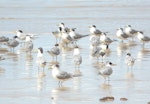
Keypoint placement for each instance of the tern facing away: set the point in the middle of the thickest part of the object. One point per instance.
(28, 44)
(77, 58)
(129, 60)
(41, 62)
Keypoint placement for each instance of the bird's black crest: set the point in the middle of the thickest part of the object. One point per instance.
(129, 54)
(57, 65)
(56, 44)
(94, 26)
(20, 31)
(41, 49)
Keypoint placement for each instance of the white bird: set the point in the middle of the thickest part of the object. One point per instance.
(129, 60)
(97, 52)
(129, 31)
(61, 76)
(40, 59)
(62, 27)
(142, 38)
(28, 44)
(107, 71)
(105, 39)
(12, 43)
(94, 30)
(77, 58)
(75, 36)
(94, 40)
(121, 35)
(21, 35)
(65, 39)
(54, 51)
(3, 39)
(58, 33)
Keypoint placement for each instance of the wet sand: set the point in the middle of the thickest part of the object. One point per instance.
(19, 82)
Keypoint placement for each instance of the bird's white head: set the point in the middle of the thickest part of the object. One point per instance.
(55, 66)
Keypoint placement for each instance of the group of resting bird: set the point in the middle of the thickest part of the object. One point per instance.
(68, 38)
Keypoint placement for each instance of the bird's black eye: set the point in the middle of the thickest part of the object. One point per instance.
(57, 65)
(20, 31)
(110, 63)
(94, 26)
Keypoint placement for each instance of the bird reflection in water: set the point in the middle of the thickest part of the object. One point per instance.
(122, 47)
(40, 83)
(57, 94)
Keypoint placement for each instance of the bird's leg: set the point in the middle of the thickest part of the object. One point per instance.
(38, 70)
(128, 69)
(97, 59)
(56, 39)
(56, 58)
(59, 83)
(102, 59)
(13, 50)
(143, 45)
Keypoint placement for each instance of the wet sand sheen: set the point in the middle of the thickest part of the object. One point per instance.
(18, 72)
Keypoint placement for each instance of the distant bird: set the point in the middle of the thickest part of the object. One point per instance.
(105, 39)
(75, 36)
(12, 43)
(65, 39)
(58, 33)
(97, 52)
(21, 35)
(94, 30)
(40, 60)
(130, 32)
(62, 27)
(3, 39)
(28, 44)
(121, 35)
(142, 38)
(77, 58)
(94, 40)
(2, 58)
(129, 60)
(107, 71)
(54, 51)
(61, 76)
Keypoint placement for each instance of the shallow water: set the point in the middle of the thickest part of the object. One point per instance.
(19, 83)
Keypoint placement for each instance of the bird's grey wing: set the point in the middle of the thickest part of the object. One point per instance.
(107, 71)
(97, 32)
(4, 39)
(56, 33)
(29, 45)
(64, 75)
(78, 36)
(55, 50)
(134, 31)
(146, 38)
(108, 40)
(125, 35)
(13, 43)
